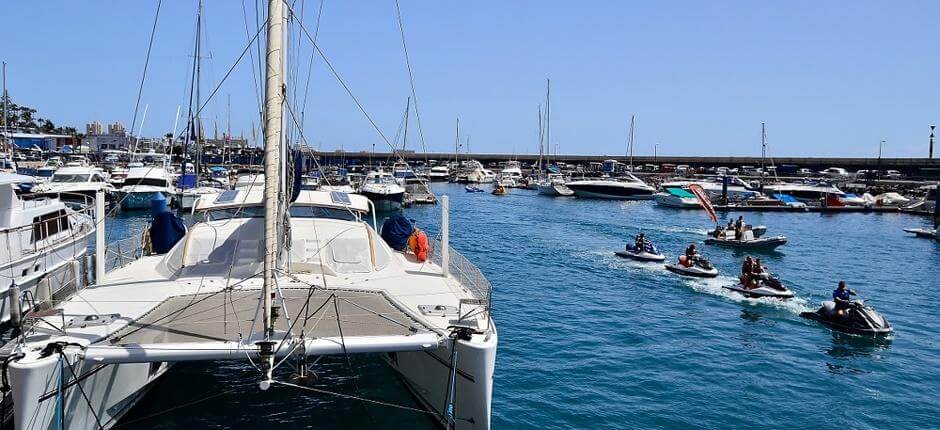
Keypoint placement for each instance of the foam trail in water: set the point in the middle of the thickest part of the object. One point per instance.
(714, 286)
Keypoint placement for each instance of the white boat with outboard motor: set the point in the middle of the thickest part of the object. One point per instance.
(699, 267)
(858, 318)
(627, 188)
(747, 240)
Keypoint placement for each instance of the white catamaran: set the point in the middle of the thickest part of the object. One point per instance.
(261, 279)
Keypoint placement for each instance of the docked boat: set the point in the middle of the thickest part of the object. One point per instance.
(674, 197)
(630, 188)
(439, 174)
(383, 190)
(249, 181)
(284, 282)
(42, 236)
(857, 319)
(736, 189)
(812, 193)
(76, 183)
(511, 175)
(142, 185)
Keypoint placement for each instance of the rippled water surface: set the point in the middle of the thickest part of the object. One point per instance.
(588, 340)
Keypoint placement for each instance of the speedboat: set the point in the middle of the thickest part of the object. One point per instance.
(649, 253)
(699, 268)
(737, 190)
(384, 191)
(630, 188)
(813, 193)
(748, 240)
(929, 233)
(142, 185)
(768, 285)
(674, 197)
(857, 319)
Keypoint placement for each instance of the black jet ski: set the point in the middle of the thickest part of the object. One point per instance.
(701, 268)
(857, 319)
(768, 285)
(649, 253)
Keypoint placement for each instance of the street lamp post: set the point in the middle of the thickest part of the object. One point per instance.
(931, 140)
(655, 150)
(880, 145)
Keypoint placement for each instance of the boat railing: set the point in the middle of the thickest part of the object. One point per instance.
(468, 274)
(120, 253)
(51, 230)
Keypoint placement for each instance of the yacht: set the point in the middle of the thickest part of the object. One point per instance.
(511, 176)
(76, 183)
(629, 188)
(675, 197)
(141, 185)
(737, 190)
(439, 174)
(809, 192)
(48, 169)
(43, 236)
(383, 190)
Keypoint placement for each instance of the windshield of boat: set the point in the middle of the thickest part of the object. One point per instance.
(64, 177)
(155, 182)
(229, 213)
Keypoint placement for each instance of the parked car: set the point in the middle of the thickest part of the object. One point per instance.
(835, 172)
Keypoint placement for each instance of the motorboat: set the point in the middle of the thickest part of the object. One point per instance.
(737, 190)
(748, 240)
(629, 188)
(765, 285)
(553, 185)
(858, 318)
(813, 193)
(928, 233)
(187, 196)
(511, 175)
(383, 190)
(141, 186)
(700, 267)
(76, 183)
(648, 253)
(117, 176)
(758, 230)
(674, 197)
(43, 238)
(439, 174)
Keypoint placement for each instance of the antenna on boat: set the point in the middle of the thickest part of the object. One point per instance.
(763, 148)
(274, 95)
(630, 137)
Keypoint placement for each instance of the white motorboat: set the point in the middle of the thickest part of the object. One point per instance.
(511, 175)
(439, 174)
(76, 183)
(249, 181)
(142, 185)
(811, 193)
(186, 198)
(677, 198)
(737, 190)
(43, 237)
(554, 186)
(267, 282)
(630, 188)
(383, 190)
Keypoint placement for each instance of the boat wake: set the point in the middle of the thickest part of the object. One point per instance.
(714, 286)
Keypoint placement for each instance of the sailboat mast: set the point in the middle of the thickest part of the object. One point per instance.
(548, 123)
(6, 130)
(541, 138)
(632, 123)
(763, 148)
(273, 99)
(198, 124)
(457, 146)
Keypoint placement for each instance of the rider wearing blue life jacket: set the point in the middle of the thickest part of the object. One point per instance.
(843, 297)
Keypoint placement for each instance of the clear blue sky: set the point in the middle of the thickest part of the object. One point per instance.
(829, 78)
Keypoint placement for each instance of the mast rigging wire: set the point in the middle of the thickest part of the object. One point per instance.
(143, 76)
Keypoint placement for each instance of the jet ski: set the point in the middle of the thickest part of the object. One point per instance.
(649, 253)
(701, 268)
(857, 319)
(473, 189)
(768, 286)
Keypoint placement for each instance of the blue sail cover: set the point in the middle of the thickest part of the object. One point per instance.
(395, 232)
(187, 180)
(165, 228)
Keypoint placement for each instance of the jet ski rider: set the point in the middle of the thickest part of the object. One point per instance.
(842, 297)
(691, 255)
(640, 243)
(746, 270)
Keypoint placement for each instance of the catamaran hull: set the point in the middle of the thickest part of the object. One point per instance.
(426, 374)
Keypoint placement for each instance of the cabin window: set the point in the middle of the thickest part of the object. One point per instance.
(49, 224)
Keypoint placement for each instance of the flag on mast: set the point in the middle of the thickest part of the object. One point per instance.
(703, 200)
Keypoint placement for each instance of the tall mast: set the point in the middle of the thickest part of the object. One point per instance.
(273, 99)
(198, 123)
(763, 148)
(548, 123)
(541, 138)
(630, 146)
(457, 146)
(6, 130)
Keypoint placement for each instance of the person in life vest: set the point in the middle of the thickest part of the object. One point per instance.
(419, 245)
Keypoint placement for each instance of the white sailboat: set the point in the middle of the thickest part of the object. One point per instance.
(237, 287)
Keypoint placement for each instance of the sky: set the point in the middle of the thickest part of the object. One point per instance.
(828, 78)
